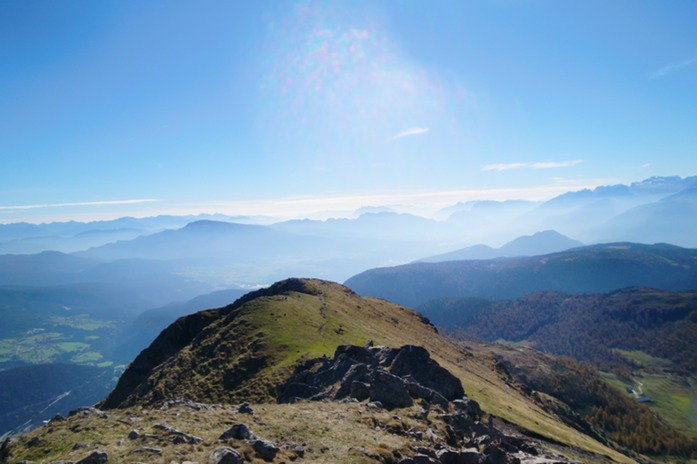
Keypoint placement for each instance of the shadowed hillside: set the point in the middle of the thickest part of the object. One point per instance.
(592, 269)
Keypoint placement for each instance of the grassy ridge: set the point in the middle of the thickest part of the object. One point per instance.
(248, 350)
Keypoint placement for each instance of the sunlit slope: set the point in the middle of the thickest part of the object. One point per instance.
(241, 352)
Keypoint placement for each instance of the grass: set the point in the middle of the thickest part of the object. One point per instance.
(80, 322)
(341, 433)
(645, 359)
(88, 357)
(47, 347)
(276, 331)
(674, 397)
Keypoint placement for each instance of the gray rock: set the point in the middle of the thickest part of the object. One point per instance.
(495, 455)
(225, 456)
(154, 451)
(360, 390)
(57, 418)
(417, 390)
(416, 362)
(296, 448)
(178, 437)
(134, 434)
(238, 432)
(265, 449)
(245, 408)
(420, 459)
(97, 457)
(468, 406)
(292, 392)
(468, 456)
(88, 411)
(390, 390)
(356, 373)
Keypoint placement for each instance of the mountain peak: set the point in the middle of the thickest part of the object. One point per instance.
(239, 352)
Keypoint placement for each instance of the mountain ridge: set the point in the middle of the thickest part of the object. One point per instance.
(543, 242)
(589, 269)
(250, 348)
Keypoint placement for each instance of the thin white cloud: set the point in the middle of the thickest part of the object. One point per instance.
(553, 164)
(504, 166)
(81, 203)
(410, 132)
(671, 68)
(539, 165)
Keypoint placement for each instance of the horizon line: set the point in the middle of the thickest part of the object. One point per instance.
(420, 203)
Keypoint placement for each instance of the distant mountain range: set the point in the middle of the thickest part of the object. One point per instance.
(643, 212)
(590, 269)
(539, 243)
(604, 214)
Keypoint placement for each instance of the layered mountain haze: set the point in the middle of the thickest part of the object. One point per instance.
(97, 307)
(539, 243)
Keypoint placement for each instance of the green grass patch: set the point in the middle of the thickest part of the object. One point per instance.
(672, 397)
(90, 357)
(47, 347)
(645, 359)
(81, 322)
(72, 347)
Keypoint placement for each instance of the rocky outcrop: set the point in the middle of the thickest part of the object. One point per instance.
(395, 377)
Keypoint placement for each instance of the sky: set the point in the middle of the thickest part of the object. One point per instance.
(288, 108)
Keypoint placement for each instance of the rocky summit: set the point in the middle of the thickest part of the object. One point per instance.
(308, 371)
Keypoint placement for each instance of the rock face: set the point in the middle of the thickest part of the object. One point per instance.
(393, 376)
(396, 378)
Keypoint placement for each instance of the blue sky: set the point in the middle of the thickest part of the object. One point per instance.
(128, 107)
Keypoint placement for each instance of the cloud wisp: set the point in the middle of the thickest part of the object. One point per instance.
(410, 133)
(671, 68)
(81, 203)
(539, 165)
(504, 166)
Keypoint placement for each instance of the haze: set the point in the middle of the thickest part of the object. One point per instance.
(296, 109)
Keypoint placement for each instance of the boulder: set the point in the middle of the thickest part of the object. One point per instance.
(225, 456)
(265, 449)
(177, 437)
(97, 457)
(468, 406)
(245, 408)
(420, 459)
(238, 432)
